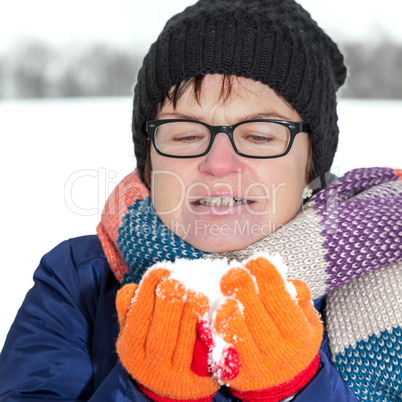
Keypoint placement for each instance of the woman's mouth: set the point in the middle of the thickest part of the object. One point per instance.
(222, 201)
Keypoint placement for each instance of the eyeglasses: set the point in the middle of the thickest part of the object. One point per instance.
(180, 138)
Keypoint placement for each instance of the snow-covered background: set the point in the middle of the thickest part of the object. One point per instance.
(60, 159)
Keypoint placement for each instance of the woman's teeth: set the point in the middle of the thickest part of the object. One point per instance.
(222, 201)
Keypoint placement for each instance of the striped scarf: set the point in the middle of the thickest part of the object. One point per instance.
(346, 244)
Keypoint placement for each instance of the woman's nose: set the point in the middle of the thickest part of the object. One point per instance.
(221, 159)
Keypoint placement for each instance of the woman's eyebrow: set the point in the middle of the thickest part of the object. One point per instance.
(269, 115)
(254, 116)
(178, 116)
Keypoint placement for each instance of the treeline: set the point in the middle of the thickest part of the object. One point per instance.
(37, 70)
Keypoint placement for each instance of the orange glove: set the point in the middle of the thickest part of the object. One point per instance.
(276, 336)
(158, 322)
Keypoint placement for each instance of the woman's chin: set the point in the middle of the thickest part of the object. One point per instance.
(221, 243)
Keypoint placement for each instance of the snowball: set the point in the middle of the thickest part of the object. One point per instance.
(204, 275)
(200, 275)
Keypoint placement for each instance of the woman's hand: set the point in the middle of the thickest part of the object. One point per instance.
(276, 334)
(158, 321)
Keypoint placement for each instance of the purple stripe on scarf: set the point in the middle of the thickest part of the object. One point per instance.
(361, 223)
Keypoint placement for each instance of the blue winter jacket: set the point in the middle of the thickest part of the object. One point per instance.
(61, 346)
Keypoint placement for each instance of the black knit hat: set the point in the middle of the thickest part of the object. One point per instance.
(275, 42)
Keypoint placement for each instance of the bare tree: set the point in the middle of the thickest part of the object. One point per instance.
(374, 71)
(99, 70)
(29, 73)
(2, 77)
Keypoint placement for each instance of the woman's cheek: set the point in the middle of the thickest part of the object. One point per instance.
(167, 193)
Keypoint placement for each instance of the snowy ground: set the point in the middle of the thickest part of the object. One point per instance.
(60, 159)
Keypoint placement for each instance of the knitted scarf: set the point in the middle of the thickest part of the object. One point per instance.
(346, 244)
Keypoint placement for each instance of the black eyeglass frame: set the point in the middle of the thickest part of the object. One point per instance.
(293, 127)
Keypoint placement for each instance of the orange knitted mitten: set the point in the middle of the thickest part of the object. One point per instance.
(273, 326)
(158, 322)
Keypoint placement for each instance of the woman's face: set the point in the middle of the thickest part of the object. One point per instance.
(270, 189)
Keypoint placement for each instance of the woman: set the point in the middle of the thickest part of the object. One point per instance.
(234, 124)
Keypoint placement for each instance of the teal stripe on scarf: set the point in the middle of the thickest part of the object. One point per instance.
(144, 240)
(372, 368)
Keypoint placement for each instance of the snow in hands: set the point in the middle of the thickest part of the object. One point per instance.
(212, 355)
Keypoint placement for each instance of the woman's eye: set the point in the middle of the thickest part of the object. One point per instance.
(188, 138)
(260, 138)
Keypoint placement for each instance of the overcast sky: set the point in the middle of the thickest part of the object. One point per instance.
(138, 22)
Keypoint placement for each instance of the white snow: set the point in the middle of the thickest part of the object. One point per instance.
(204, 275)
(200, 275)
(60, 159)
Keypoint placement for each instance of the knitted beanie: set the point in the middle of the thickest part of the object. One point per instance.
(275, 42)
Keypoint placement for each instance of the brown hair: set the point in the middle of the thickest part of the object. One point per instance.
(195, 84)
